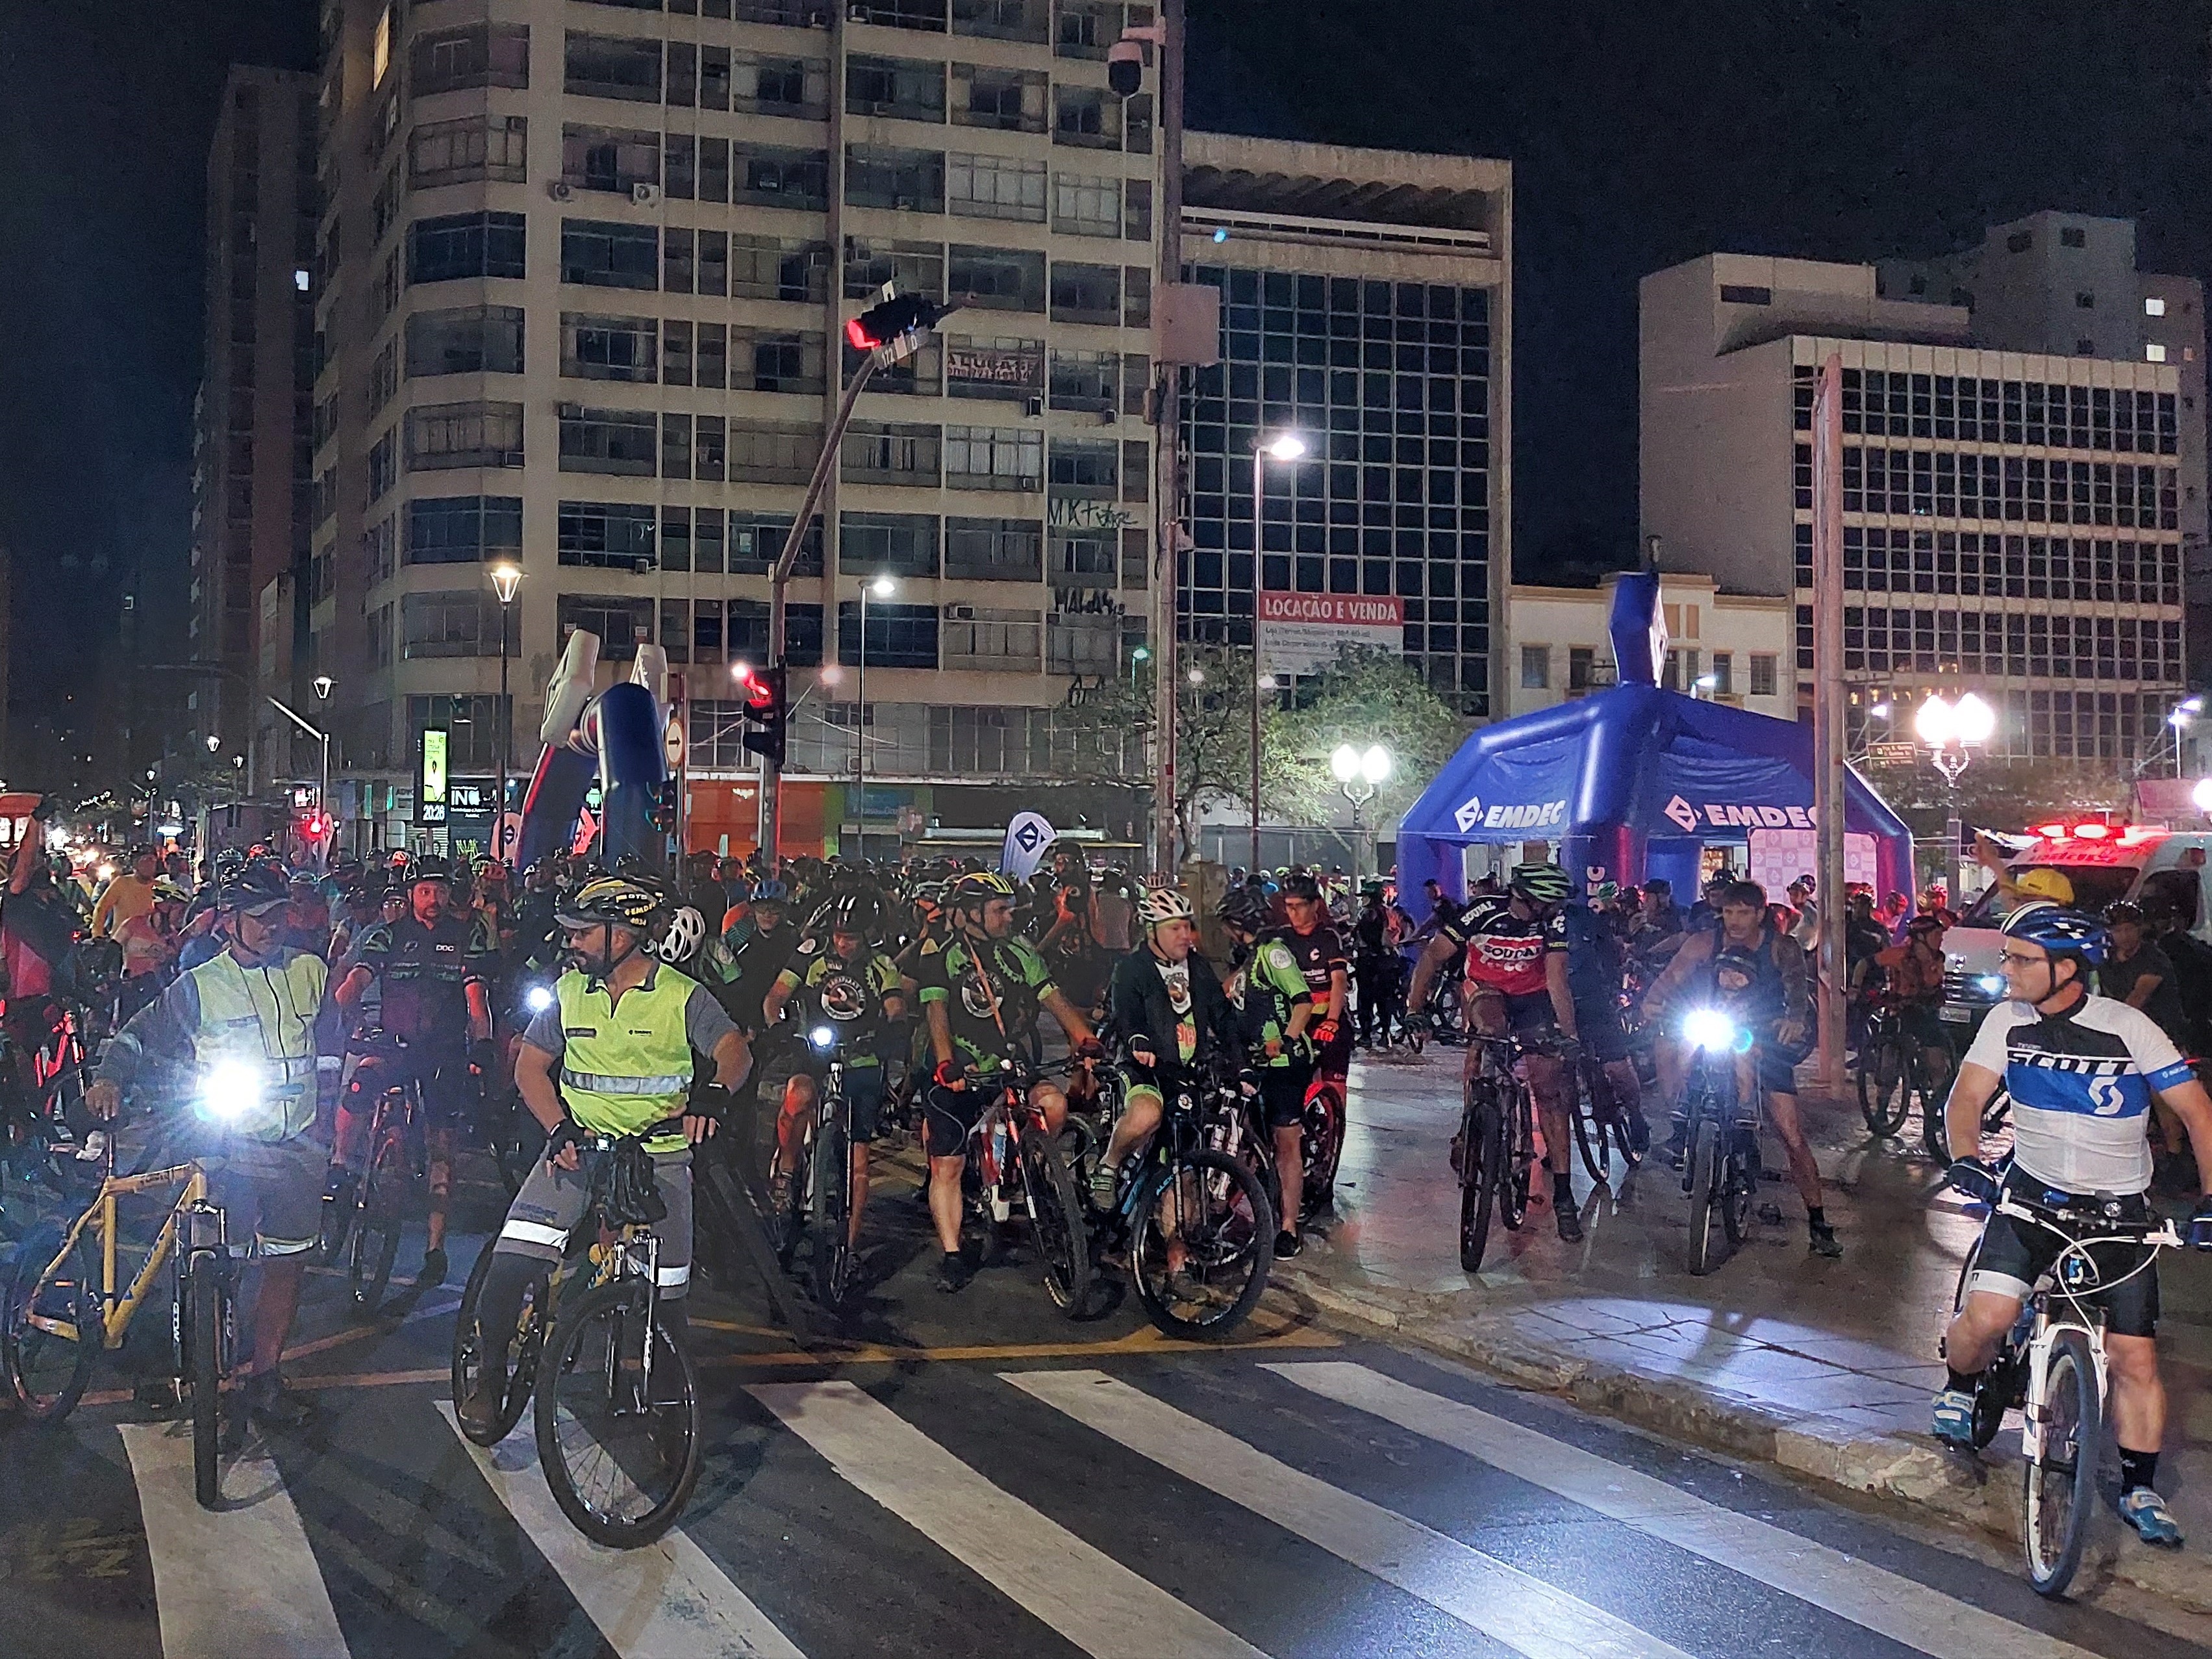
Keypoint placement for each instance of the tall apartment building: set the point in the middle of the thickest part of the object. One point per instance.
(2015, 502)
(583, 276)
(252, 417)
(1367, 307)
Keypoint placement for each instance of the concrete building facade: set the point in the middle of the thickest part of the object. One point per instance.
(1730, 647)
(2015, 517)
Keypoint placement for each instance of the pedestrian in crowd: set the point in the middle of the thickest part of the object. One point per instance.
(2139, 973)
(129, 895)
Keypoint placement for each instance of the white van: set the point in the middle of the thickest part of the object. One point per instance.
(2106, 863)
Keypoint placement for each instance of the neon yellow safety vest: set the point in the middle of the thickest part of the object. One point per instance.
(626, 1065)
(265, 1018)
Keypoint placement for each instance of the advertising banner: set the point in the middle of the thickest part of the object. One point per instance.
(430, 800)
(1300, 633)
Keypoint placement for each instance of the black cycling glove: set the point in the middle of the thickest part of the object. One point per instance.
(1975, 1178)
(2200, 1225)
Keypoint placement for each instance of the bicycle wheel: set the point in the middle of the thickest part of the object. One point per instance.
(788, 1220)
(620, 1451)
(1704, 1176)
(1739, 1183)
(204, 1367)
(1481, 1160)
(1519, 1153)
(1322, 1145)
(375, 1243)
(1934, 1133)
(53, 1330)
(1590, 1140)
(833, 1208)
(1056, 1218)
(2061, 1488)
(1885, 1089)
(1215, 1207)
(524, 1346)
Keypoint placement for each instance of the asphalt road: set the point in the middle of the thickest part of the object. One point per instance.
(977, 1475)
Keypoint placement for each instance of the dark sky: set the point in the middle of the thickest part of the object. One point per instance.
(1642, 134)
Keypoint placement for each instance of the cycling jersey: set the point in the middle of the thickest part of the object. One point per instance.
(1320, 956)
(1503, 952)
(423, 972)
(1267, 990)
(991, 991)
(2081, 1084)
(847, 996)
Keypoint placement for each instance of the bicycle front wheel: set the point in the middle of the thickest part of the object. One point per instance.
(204, 1296)
(833, 1213)
(1481, 1161)
(618, 1436)
(1056, 1218)
(1705, 1187)
(1591, 1140)
(2061, 1488)
(375, 1242)
(1203, 1243)
(53, 1331)
(1885, 1084)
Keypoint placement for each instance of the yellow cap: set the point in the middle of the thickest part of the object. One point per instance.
(2047, 884)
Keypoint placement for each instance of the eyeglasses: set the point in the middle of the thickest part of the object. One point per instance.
(2014, 959)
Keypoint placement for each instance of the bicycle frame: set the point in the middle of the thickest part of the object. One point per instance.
(119, 1306)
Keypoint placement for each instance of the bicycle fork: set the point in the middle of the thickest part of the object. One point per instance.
(2035, 1410)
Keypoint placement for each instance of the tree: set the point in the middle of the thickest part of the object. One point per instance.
(1364, 697)
(1997, 796)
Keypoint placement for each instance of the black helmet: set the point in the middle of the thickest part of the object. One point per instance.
(431, 867)
(256, 888)
(618, 900)
(1301, 886)
(855, 913)
(1246, 910)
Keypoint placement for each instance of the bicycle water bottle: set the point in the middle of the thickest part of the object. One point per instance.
(1001, 1206)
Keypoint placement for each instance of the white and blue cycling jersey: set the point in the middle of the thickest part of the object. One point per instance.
(2080, 1083)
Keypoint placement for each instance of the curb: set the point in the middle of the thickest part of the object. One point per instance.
(1911, 1473)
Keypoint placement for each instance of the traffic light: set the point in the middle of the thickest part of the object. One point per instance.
(767, 704)
(892, 319)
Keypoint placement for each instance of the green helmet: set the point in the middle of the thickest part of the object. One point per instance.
(1540, 884)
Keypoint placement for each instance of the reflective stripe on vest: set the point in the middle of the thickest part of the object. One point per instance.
(265, 1018)
(625, 1065)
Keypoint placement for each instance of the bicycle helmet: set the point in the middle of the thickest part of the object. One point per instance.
(431, 867)
(1164, 905)
(1246, 910)
(1301, 886)
(771, 891)
(2060, 932)
(978, 888)
(1540, 884)
(254, 889)
(687, 931)
(855, 913)
(615, 900)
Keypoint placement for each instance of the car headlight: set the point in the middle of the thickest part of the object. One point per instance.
(1711, 1030)
(538, 999)
(822, 1037)
(1991, 985)
(231, 1089)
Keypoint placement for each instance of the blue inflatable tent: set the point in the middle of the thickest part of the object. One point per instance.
(1632, 782)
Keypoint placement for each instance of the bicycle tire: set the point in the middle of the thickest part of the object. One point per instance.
(610, 1313)
(1481, 1157)
(832, 1166)
(54, 1289)
(375, 1244)
(1056, 1222)
(1589, 1128)
(204, 1371)
(1323, 1147)
(1884, 1105)
(2059, 1496)
(1934, 1133)
(1242, 1234)
(1704, 1171)
(1518, 1157)
(522, 1372)
(1739, 1183)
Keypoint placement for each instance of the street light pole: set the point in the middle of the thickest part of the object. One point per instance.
(505, 580)
(1950, 730)
(1285, 446)
(883, 587)
(324, 684)
(319, 736)
(1352, 768)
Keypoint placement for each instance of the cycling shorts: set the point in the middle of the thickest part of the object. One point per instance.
(864, 1094)
(1283, 1093)
(1529, 1016)
(1597, 1023)
(274, 1190)
(2014, 1254)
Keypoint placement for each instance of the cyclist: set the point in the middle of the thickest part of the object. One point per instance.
(760, 953)
(1318, 949)
(2081, 1071)
(1913, 976)
(844, 983)
(431, 967)
(1597, 970)
(1274, 1006)
(1375, 965)
(1783, 1005)
(980, 995)
(621, 1033)
(256, 1001)
(1516, 985)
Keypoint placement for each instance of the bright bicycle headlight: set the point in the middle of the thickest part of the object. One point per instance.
(1991, 985)
(822, 1037)
(538, 999)
(1711, 1030)
(231, 1089)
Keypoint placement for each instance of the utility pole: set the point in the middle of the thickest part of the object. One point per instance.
(1167, 421)
(1828, 796)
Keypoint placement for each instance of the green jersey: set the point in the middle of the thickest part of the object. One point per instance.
(1267, 990)
(846, 996)
(990, 992)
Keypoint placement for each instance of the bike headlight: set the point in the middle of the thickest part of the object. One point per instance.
(538, 999)
(231, 1089)
(1709, 1028)
(822, 1037)
(1991, 985)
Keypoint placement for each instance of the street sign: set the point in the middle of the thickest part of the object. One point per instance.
(1892, 754)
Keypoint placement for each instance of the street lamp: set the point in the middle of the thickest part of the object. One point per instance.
(1707, 684)
(320, 735)
(883, 587)
(1953, 730)
(2185, 712)
(506, 578)
(1360, 774)
(1287, 448)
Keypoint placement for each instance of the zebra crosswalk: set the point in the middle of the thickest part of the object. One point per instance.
(1297, 1509)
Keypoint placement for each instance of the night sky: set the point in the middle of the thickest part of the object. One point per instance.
(1641, 134)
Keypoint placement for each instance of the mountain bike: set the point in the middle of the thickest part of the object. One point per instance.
(1013, 1158)
(365, 1233)
(1600, 1128)
(1321, 1139)
(1494, 1154)
(1889, 1073)
(2051, 1365)
(1720, 1173)
(821, 1188)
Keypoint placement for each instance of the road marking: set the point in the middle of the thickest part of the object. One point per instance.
(1870, 1596)
(240, 1579)
(1089, 1597)
(1144, 1340)
(666, 1600)
(1504, 1603)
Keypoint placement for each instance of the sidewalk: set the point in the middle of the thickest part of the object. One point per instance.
(1826, 1368)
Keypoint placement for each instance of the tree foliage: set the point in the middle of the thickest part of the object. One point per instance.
(1999, 797)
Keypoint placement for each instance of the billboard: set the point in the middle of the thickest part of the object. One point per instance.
(1300, 633)
(431, 804)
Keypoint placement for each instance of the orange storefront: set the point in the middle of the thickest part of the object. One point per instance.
(723, 817)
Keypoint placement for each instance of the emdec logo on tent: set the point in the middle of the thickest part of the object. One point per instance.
(1540, 815)
(1721, 815)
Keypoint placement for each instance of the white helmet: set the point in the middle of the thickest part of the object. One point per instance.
(1165, 904)
(687, 931)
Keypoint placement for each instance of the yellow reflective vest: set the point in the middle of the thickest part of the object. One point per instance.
(265, 1018)
(626, 1065)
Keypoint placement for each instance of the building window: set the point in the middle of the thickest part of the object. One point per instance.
(903, 544)
(1083, 470)
(977, 637)
(994, 278)
(924, 15)
(2154, 353)
(623, 441)
(461, 245)
(469, 340)
(611, 66)
(1085, 294)
(994, 458)
(481, 55)
(1008, 99)
(441, 435)
(877, 175)
(902, 87)
(456, 623)
(1536, 668)
(995, 187)
(766, 175)
(899, 635)
(462, 529)
(604, 255)
(1089, 117)
(619, 622)
(756, 542)
(1004, 20)
(610, 535)
(769, 268)
(610, 348)
(1086, 379)
(478, 147)
(2153, 306)
(1581, 660)
(877, 452)
(383, 466)
(1744, 294)
(609, 158)
(1085, 206)
(915, 267)
(1724, 673)
(1762, 674)
(772, 452)
(763, 85)
(992, 549)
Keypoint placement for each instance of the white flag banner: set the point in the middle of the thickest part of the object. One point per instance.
(1027, 838)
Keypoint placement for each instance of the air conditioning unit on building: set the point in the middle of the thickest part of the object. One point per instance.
(960, 613)
(517, 123)
(560, 189)
(643, 194)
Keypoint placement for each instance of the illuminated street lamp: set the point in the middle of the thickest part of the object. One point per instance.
(1952, 732)
(505, 577)
(2184, 715)
(1360, 774)
(2202, 795)
(1286, 447)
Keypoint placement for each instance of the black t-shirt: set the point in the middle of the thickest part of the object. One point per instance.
(2116, 980)
(1318, 954)
(423, 973)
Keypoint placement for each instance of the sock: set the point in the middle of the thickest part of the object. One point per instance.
(1816, 1216)
(2137, 1469)
(1963, 1382)
(1563, 1190)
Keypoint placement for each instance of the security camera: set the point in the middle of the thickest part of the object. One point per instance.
(1124, 67)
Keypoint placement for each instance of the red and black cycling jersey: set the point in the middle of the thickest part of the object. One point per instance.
(1319, 954)
(1503, 952)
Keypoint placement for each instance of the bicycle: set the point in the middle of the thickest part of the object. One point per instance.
(366, 1233)
(1889, 1071)
(1012, 1157)
(821, 1188)
(1321, 1139)
(1198, 1224)
(2051, 1365)
(1720, 1170)
(1599, 1129)
(621, 1450)
(67, 1303)
(1494, 1154)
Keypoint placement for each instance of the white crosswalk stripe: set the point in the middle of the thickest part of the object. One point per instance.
(240, 1579)
(666, 1600)
(1090, 1598)
(1502, 1603)
(1870, 1596)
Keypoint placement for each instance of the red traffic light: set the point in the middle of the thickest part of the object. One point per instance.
(880, 324)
